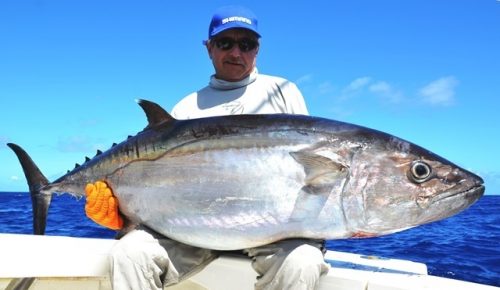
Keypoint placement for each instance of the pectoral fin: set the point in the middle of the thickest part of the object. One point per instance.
(326, 174)
(321, 168)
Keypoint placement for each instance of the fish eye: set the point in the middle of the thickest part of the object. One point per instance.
(420, 171)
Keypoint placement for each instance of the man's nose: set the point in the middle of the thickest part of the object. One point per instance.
(235, 51)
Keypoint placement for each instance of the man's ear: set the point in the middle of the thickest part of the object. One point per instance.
(209, 49)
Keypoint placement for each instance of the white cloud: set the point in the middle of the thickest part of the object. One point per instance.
(358, 84)
(304, 79)
(354, 87)
(364, 85)
(386, 91)
(440, 91)
(325, 88)
(380, 87)
(14, 178)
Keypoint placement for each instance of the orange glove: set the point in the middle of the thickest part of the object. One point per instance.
(102, 206)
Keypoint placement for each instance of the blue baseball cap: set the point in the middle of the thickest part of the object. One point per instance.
(229, 17)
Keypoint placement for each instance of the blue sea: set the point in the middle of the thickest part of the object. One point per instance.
(465, 246)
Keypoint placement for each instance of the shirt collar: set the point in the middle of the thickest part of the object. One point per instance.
(219, 84)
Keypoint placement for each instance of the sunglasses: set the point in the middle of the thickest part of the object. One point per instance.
(244, 44)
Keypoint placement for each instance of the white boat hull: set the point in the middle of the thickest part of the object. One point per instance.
(82, 263)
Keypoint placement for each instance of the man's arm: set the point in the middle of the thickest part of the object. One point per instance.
(291, 96)
(295, 102)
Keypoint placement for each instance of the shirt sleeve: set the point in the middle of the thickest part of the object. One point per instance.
(294, 101)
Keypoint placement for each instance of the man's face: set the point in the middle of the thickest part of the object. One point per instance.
(231, 62)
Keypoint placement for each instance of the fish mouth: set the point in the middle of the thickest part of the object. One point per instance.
(447, 204)
(472, 193)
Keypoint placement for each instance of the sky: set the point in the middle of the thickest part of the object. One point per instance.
(424, 70)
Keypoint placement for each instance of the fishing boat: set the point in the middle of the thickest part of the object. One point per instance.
(56, 262)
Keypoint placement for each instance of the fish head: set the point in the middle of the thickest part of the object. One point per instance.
(398, 185)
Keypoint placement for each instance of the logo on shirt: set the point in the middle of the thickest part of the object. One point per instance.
(234, 108)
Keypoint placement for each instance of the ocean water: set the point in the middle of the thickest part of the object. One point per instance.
(464, 247)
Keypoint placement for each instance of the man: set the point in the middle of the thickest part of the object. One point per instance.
(144, 259)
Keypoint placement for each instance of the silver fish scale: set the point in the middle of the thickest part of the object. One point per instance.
(202, 195)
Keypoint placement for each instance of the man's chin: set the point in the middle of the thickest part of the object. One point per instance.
(234, 75)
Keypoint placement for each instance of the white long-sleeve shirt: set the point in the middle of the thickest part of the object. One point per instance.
(256, 94)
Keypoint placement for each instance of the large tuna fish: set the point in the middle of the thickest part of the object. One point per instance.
(241, 181)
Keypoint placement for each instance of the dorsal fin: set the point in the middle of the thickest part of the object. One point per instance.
(155, 113)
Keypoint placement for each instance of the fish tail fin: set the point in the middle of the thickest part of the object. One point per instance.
(36, 181)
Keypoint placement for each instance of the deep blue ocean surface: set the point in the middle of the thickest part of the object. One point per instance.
(464, 247)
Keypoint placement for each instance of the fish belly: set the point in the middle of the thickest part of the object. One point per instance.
(221, 199)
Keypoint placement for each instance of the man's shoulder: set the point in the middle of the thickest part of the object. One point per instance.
(179, 109)
(276, 80)
(192, 104)
(194, 95)
(272, 78)
(186, 99)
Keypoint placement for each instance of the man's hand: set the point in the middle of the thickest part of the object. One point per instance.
(102, 206)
